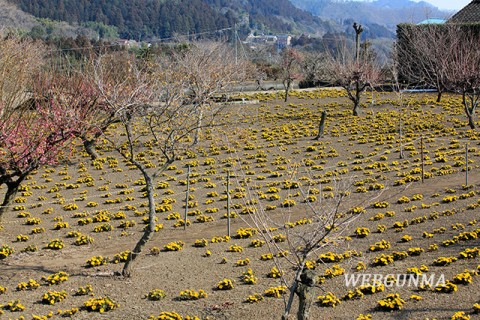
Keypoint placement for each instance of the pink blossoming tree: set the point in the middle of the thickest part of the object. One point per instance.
(35, 124)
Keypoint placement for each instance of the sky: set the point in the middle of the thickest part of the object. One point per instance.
(449, 4)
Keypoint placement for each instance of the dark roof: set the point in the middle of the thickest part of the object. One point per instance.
(469, 14)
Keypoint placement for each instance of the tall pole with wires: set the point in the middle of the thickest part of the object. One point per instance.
(235, 36)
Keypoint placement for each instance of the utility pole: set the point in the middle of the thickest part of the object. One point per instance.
(235, 36)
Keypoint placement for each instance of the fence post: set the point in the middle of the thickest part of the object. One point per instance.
(466, 165)
(401, 140)
(228, 204)
(422, 158)
(187, 195)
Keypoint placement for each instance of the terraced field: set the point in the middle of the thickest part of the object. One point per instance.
(70, 227)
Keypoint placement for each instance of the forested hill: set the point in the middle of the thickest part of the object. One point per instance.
(273, 15)
(133, 18)
(150, 19)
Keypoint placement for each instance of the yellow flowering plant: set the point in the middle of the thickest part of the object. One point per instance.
(100, 304)
(56, 278)
(393, 301)
(225, 284)
(51, 297)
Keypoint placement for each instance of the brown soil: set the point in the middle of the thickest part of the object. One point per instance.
(292, 127)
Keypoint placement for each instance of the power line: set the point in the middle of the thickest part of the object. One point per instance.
(160, 40)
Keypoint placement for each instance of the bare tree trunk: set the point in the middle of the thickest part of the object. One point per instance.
(439, 95)
(199, 127)
(286, 315)
(355, 94)
(469, 111)
(287, 90)
(89, 146)
(356, 104)
(293, 289)
(305, 293)
(259, 85)
(149, 230)
(358, 95)
(305, 281)
(471, 120)
(321, 126)
(12, 189)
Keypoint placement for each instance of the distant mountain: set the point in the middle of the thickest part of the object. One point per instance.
(154, 19)
(133, 19)
(12, 17)
(159, 19)
(400, 4)
(272, 16)
(385, 13)
(15, 20)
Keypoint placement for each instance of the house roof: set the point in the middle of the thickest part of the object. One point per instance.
(469, 14)
(433, 21)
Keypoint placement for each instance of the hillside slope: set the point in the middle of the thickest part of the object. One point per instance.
(12, 17)
(273, 15)
(153, 19)
(387, 13)
(159, 19)
(134, 18)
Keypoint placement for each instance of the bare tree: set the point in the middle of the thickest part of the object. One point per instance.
(443, 57)
(358, 33)
(20, 61)
(290, 62)
(209, 68)
(313, 68)
(154, 109)
(128, 89)
(462, 69)
(352, 73)
(306, 230)
(422, 55)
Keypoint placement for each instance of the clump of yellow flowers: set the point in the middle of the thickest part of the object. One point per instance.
(56, 244)
(174, 246)
(30, 285)
(225, 284)
(391, 302)
(165, 315)
(56, 278)
(156, 295)
(51, 297)
(96, 261)
(276, 292)
(192, 294)
(13, 306)
(254, 298)
(121, 257)
(101, 304)
(83, 291)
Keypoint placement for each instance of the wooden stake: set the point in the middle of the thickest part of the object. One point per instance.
(228, 204)
(423, 160)
(466, 165)
(187, 195)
